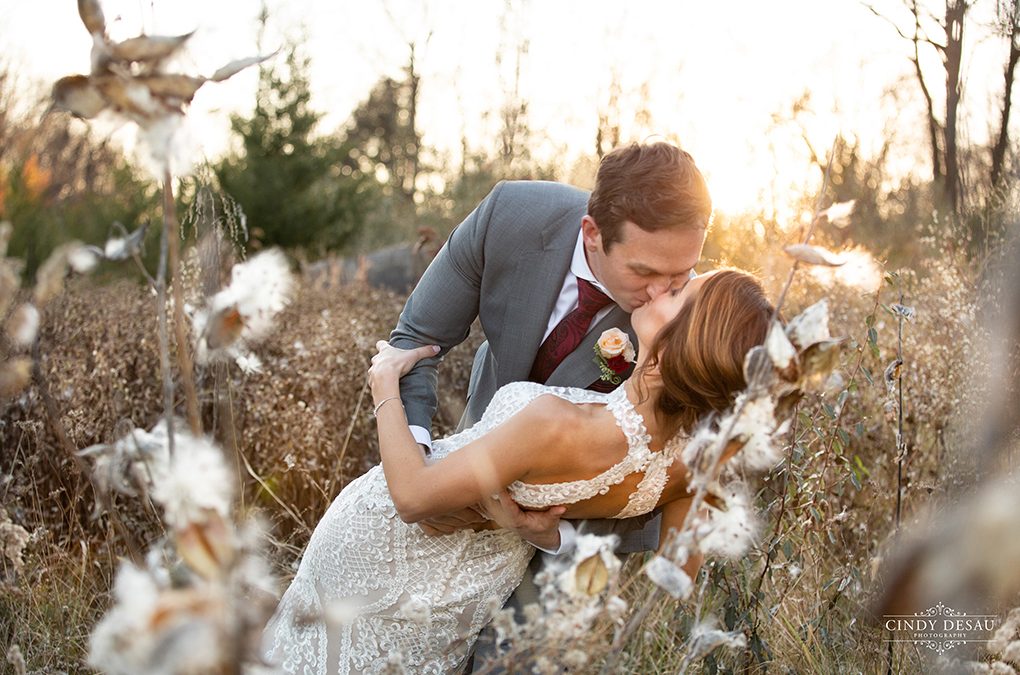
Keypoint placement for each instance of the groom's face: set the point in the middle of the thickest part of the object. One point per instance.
(641, 266)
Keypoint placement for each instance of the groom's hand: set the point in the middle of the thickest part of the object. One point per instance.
(539, 528)
(469, 518)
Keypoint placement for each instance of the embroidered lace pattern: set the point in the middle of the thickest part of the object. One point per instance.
(639, 457)
(373, 593)
(649, 490)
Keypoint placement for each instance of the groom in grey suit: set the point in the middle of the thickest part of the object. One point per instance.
(519, 262)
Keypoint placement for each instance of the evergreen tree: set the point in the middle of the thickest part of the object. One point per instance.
(293, 187)
(383, 135)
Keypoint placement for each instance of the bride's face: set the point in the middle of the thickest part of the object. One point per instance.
(648, 319)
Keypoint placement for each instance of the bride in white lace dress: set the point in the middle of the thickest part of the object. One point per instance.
(372, 586)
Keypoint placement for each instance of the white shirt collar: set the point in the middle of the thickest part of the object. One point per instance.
(580, 268)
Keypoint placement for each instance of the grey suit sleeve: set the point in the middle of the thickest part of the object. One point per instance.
(442, 307)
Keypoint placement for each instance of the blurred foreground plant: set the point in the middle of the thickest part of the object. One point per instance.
(129, 79)
(200, 599)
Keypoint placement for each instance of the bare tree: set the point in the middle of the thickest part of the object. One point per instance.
(944, 34)
(515, 132)
(607, 135)
(1008, 14)
(415, 35)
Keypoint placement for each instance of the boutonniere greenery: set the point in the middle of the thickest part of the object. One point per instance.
(614, 354)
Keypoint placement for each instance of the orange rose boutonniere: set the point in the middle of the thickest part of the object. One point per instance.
(614, 354)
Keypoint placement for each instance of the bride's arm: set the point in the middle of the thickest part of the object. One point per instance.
(465, 477)
(673, 515)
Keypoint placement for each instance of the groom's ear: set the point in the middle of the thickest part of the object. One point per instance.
(591, 234)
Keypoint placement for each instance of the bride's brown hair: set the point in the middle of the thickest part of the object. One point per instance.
(700, 353)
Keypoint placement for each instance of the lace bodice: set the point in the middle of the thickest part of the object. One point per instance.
(639, 458)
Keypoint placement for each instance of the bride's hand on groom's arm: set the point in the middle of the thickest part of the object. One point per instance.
(391, 363)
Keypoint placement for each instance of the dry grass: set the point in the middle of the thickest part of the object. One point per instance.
(101, 360)
(803, 612)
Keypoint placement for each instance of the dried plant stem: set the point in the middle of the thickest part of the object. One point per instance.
(339, 473)
(621, 638)
(269, 490)
(714, 455)
(172, 226)
(811, 228)
(901, 446)
(853, 378)
(777, 535)
(224, 424)
(900, 451)
(141, 267)
(57, 427)
(164, 342)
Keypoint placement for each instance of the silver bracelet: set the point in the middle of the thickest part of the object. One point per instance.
(375, 413)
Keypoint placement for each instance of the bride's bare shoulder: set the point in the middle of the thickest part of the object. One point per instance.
(565, 421)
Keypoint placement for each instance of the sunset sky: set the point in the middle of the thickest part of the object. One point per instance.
(715, 74)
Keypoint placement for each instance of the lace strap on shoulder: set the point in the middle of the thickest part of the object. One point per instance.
(649, 490)
(632, 425)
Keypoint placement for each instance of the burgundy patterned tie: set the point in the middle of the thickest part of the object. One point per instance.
(569, 332)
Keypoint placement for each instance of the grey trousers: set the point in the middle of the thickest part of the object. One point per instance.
(636, 535)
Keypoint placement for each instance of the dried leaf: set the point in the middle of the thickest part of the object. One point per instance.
(224, 328)
(810, 326)
(758, 370)
(892, 374)
(817, 362)
(670, 577)
(129, 96)
(780, 350)
(6, 230)
(907, 313)
(813, 255)
(15, 375)
(182, 88)
(49, 278)
(734, 446)
(207, 546)
(591, 575)
(148, 47)
(839, 213)
(78, 95)
(234, 67)
(787, 401)
(91, 13)
(184, 603)
(10, 281)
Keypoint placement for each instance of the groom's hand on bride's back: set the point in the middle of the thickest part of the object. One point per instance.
(539, 528)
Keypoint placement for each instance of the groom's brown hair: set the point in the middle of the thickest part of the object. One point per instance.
(655, 186)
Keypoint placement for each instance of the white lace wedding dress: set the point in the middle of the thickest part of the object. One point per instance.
(373, 592)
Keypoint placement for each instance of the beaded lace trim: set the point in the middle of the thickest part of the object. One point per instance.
(638, 458)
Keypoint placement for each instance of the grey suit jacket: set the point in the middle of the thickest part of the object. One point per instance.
(505, 264)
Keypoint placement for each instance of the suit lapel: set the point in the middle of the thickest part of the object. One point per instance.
(537, 280)
(579, 368)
